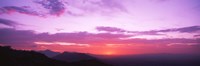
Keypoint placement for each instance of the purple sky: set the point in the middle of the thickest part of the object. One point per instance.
(100, 23)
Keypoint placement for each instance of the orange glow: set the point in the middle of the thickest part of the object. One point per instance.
(109, 53)
(119, 49)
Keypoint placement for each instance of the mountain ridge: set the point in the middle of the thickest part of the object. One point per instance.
(49, 53)
(12, 57)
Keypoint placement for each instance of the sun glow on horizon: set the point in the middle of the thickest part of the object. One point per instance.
(109, 53)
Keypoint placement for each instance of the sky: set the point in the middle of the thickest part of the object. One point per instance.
(108, 27)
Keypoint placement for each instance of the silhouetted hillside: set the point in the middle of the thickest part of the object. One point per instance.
(11, 57)
(154, 60)
(73, 57)
(80, 59)
(49, 53)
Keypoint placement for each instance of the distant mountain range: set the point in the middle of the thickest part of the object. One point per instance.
(11, 57)
(49, 53)
(73, 57)
(79, 59)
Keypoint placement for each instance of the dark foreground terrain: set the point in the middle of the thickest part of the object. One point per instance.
(162, 59)
(11, 57)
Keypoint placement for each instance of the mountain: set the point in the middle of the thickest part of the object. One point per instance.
(73, 56)
(11, 57)
(49, 53)
(80, 59)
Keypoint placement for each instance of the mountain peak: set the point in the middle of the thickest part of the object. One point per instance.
(49, 53)
(73, 56)
(12, 57)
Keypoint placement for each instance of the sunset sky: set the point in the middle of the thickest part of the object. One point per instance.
(117, 27)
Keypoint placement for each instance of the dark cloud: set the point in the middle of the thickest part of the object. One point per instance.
(190, 29)
(114, 29)
(2, 11)
(26, 37)
(16, 37)
(162, 41)
(109, 29)
(10, 9)
(182, 30)
(12, 36)
(152, 32)
(80, 37)
(197, 35)
(54, 6)
(8, 22)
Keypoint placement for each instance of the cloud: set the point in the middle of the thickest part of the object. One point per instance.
(112, 4)
(161, 41)
(8, 22)
(55, 7)
(18, 38)
(81, 37)
(152, 32)
(197, 35)
(190, 29)
(109, 29)
(12, 36)
(70, 7)
(10, 9)
(104, 7)
(119, 30)
(2, 11)
(190, 44)
(26, 37)
(182, 30)
(110, 36)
